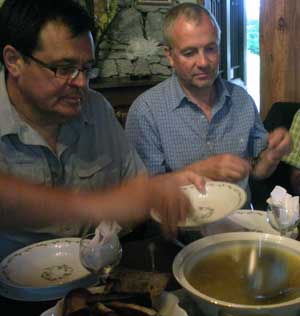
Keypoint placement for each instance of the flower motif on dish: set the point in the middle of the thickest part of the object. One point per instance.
(56, 273)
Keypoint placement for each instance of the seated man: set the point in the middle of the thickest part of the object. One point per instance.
(56, 132)
(293, 159)
(197, 120)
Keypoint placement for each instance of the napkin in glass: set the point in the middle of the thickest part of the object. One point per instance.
(104, 247)
(285, 206)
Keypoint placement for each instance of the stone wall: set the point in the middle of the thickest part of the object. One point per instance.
(134, 23)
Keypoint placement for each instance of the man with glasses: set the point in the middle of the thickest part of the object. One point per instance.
(60, 143)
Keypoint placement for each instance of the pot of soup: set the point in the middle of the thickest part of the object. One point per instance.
(242, 274)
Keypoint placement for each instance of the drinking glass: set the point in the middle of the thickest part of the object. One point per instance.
(282, 219)
(100, 256)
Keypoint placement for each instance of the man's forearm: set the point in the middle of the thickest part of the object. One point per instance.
(262, 166)
(23, 203)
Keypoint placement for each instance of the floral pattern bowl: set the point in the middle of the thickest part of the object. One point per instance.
(43, 271)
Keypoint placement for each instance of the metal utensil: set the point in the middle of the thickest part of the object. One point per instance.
(267, 273)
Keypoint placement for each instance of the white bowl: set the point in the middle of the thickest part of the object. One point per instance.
(189, 255)
(219, 200)
(44, 271)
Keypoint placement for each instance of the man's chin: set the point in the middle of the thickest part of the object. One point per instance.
(203, 84)
(70, 110)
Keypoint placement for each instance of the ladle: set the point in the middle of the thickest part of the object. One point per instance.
(266, 274)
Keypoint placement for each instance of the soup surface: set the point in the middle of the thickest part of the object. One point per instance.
(223, 274)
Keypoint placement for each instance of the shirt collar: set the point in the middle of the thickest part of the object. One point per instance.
(222, 92)
(178, 93)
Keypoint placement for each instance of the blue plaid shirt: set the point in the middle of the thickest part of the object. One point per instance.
(170, 132)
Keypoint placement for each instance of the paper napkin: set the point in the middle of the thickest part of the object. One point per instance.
(286, 206)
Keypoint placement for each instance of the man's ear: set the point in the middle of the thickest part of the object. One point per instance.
(13, 60)
(168, 55)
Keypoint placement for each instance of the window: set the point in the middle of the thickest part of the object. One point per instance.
(253, 57)
(230, 15)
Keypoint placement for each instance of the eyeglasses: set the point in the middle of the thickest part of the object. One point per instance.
(67, 72)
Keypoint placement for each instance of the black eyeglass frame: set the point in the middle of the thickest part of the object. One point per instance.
(71, 72)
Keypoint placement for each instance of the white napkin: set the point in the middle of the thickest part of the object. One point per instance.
(105, 231)
(287, 206)
(105, 245)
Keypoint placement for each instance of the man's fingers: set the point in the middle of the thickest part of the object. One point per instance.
(279, 138)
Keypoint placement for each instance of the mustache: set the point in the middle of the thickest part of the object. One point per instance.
(205, 71)
(74, 93)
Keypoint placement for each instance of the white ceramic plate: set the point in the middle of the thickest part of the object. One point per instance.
(43, 271)
(243, 220)
(166, 304)
(220, 200)
(256, 221)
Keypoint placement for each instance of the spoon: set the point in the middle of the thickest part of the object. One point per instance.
(266, 273)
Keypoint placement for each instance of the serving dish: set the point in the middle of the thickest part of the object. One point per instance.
(191, 254)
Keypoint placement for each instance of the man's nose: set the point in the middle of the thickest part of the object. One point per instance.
(202, 59)
(80, 80)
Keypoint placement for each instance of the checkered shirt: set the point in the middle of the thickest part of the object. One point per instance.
(293, 159)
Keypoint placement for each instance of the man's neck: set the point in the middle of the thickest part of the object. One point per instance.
(204, 98)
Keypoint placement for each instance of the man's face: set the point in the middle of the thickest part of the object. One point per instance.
(40, 90)
(194, 54)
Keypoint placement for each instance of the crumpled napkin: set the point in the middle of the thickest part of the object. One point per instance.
(105, 231)
(285, 206)
(104, 248)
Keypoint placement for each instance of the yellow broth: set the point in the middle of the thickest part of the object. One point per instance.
(222, 274)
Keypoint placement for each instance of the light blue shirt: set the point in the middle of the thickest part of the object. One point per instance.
(92, 152)
(170, 132)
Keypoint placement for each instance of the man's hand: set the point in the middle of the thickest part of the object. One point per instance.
(279, 144)
(222, 167)
(132, 201)
(168, 199)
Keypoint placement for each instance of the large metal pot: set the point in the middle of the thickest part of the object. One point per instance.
(191, 254)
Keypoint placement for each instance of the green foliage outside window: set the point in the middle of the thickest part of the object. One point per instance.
(253, 36)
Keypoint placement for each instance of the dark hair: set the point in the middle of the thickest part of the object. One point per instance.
(192, 12)
(21, 21)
